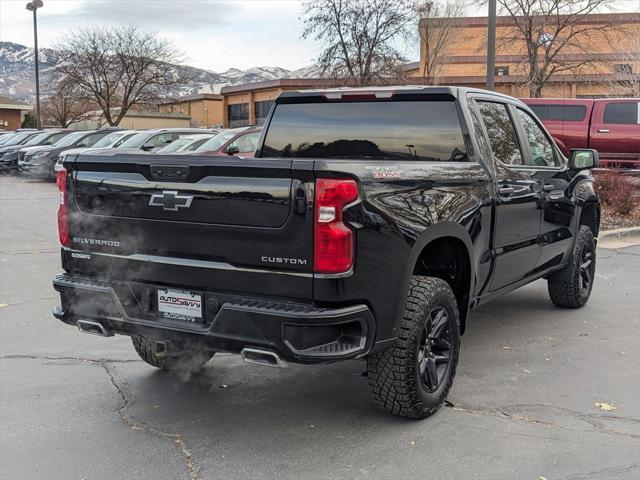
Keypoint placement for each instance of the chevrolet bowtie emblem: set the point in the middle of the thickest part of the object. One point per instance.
(170, 200)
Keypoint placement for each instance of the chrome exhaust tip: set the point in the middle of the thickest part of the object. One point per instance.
(93, 328)
(262, 357)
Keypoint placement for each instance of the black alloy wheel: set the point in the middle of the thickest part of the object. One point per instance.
(586, 270)
(413, 377)
(571, 287)
(434, 351)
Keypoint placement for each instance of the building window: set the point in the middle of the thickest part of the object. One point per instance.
(238, 115)
(262, 111)
(501, 71)
(623, 68)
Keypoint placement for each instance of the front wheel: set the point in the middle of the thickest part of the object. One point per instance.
(412, 378)
(571, 286)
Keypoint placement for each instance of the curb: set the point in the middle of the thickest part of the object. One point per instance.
(622, 237)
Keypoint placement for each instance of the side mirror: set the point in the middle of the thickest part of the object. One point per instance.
(232, 150)
(147, 147)
(583, 159)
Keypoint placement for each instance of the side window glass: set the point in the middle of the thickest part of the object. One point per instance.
(82, 143)
(120, 141)
(540, 111)
(54, 138)
(482, 140)
(542, 152)
(623, 113)
(249, 142)
(162, 140)
(192, 146)
(246, 143)
(91, 139)
(502, 133)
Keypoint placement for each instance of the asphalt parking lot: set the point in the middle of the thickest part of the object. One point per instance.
(522, 407)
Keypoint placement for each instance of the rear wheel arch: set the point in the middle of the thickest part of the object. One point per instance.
(447, 258)
(429, 255)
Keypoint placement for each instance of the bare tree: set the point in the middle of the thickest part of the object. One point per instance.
(624, 81)
(555, 36)
(436, 31)
(359, 37)
(64, 106)
(118, 68)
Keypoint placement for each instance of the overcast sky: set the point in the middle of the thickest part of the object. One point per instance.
(215, 35)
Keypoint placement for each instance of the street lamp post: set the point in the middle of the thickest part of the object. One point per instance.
(33, 6)
(491, 45)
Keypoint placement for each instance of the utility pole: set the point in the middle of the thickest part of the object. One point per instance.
(491, 45)
(33, 7)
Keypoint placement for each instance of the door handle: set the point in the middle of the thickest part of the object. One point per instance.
(505, 191)
(603, 130)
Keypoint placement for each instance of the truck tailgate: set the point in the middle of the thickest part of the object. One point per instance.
(216, 223)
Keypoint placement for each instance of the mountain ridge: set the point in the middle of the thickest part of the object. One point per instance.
(17, 77)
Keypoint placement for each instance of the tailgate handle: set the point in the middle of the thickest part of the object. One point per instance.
(175, 173)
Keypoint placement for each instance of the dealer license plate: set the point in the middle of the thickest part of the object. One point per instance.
(180, 305)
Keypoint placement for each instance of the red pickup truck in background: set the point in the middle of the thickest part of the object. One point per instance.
(611, 126)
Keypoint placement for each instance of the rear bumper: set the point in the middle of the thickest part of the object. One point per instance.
(297, 332)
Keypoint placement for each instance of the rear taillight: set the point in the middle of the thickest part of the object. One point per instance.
(63, 220)
(333, 240)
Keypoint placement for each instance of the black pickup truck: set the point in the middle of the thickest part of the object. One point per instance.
(368, 226)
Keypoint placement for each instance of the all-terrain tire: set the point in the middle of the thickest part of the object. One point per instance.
(394, 375)
(571, 286)
(191, 359)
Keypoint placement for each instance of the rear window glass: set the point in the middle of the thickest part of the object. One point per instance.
(622, 113)
(564, 113)
(400, 130)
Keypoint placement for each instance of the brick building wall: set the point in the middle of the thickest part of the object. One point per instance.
(464, 59)
(10, 119)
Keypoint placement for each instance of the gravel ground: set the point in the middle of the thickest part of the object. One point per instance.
(612, 221)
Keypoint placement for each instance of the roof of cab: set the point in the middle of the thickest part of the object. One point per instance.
(387, 91)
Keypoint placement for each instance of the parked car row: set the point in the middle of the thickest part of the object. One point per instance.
(35, 153)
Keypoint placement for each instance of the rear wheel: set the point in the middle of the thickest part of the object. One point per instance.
(412, 379)
(571, 286)
(188, 358)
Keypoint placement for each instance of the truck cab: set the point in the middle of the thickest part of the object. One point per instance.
(611, 126)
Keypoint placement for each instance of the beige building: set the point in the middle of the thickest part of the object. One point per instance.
(463, 63)
(609, 61)
(249, 104)
(138, 120)
(11, 113)
(204, 109)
